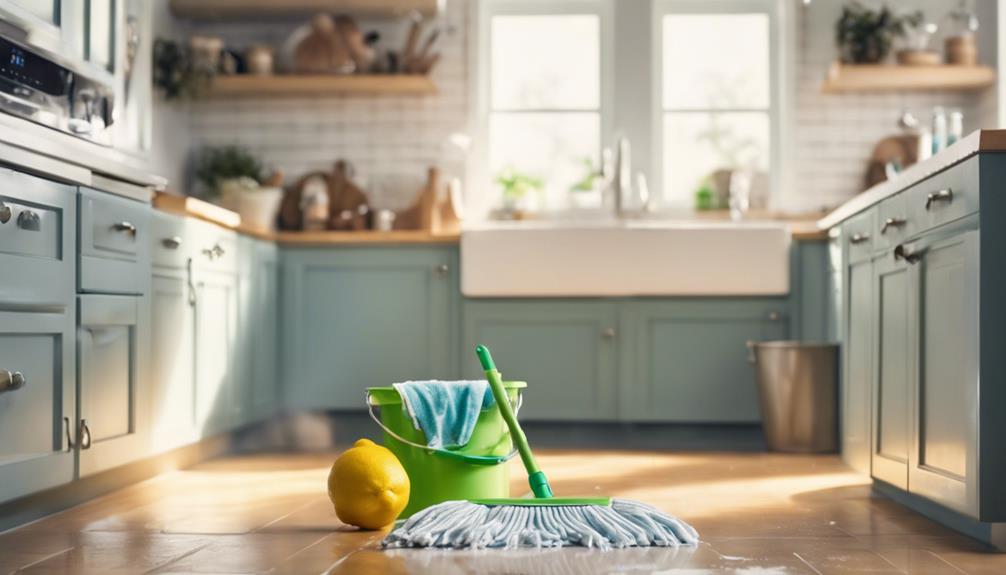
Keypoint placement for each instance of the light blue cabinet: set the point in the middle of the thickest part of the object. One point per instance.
(172, 380)
(361, 317)
(685, 361)
(566, 351)
(258, 340)
(216, 322)
(858, 367)
(893, 371)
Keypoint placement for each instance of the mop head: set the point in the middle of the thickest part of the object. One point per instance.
(467, 525)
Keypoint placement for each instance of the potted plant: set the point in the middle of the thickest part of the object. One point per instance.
(864, 34)
(178, 72)
(586, 192)
(233, 177)
(516, 188)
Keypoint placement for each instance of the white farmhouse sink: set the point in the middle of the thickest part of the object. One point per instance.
(633, 258)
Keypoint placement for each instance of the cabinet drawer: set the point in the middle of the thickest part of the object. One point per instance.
(114, 234)
(892, 224)
(213, 248)
(858, 233)
(944, 197)
(36, 239)
(171, 241)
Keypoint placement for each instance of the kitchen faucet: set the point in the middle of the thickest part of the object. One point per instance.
(618, 175)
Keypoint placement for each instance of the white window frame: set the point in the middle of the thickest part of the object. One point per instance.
(478, 173)
(638, 113)
(778, 79)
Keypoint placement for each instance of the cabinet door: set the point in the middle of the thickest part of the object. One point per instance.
(173, 361)
(566, 352)
(893, 372)
(857, 382)
(366, 317)
(944, 461)
(111, 355)
(37, 412)
(265, 343)
(687, 361)
(216, 321)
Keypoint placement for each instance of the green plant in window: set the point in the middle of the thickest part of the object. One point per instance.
(592, 174)
(516, 185)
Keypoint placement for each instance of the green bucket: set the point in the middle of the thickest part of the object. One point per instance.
(475, 471)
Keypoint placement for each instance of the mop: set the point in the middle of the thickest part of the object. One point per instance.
(542, 521)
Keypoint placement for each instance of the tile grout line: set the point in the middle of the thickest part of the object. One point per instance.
(44, 559)
(807, 563)
(284, 516)
(177, 559)
(941, 558)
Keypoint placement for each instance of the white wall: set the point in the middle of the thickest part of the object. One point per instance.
(391, 140)
(834, 134)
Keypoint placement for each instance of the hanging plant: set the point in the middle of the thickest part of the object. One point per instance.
(177, 74)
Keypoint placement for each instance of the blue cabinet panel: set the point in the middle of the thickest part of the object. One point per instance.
(364, 317)
(566, 351)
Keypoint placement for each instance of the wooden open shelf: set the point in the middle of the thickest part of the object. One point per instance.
(889, 78)
(300, 85)
(263, 9)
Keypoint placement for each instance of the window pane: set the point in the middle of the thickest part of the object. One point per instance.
(100, 34)
(697, 144)
(44, 9)
(546, 62)
(716, 61)
(549, 146)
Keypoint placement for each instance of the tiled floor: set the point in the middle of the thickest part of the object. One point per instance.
(756, 513)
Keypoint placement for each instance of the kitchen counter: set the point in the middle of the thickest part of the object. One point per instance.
(977, 141)
(803, 227)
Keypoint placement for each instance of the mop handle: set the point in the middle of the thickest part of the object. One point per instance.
(536, 478)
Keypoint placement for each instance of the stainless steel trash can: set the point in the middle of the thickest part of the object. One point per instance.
(797, 386)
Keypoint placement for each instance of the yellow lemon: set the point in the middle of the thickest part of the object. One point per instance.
(368, 486)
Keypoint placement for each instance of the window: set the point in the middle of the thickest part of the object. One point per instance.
(545, 99)
(717, 94)
(695, 85)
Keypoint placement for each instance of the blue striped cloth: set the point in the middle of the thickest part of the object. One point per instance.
(445, 411)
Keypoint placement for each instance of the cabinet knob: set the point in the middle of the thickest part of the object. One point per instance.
(11, 380)
(934, 198)
(892, 223)
(217, 251)
(608, 333)
(441, 270)
(859, 238)
(172, 243)
(5, 213)
(125, 227)
(774, 316)
(29, 221)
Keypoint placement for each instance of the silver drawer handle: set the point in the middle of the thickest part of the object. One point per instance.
(217, 251)
(29, 221)
(5, 213)
(11, 380)
(933, 198)
(85, 435)
(859, 238)
(172, 243)
(910, 256)
(441, 270)
(127, 227)
(608, 333)
(892, 223)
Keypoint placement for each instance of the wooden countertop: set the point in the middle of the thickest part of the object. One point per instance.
(804, 227)
(976, 142)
